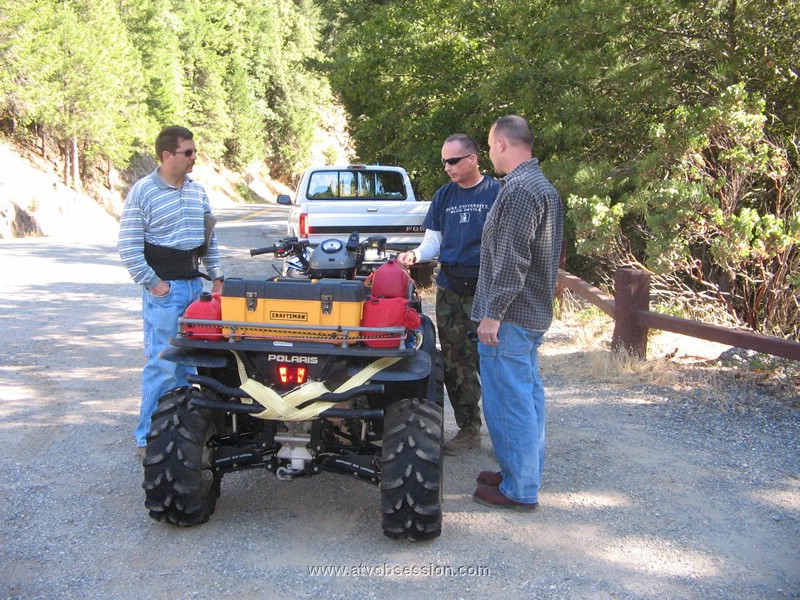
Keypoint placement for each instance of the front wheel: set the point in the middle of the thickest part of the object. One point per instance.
(180, 486)
(411, 470)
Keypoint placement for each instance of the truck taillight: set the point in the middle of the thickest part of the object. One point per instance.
(303, 225)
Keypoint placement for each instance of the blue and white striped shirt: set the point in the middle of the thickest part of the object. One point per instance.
(161, 214)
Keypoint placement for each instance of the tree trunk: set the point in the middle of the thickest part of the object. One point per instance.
(41, 138)
(76, 171)
(66, 163)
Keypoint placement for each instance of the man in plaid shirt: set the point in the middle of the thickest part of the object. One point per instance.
(520, 251)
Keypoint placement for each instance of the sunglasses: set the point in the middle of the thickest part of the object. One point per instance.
(187, 153)
(455, 160)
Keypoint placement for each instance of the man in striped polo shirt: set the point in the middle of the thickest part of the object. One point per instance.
(162, 239)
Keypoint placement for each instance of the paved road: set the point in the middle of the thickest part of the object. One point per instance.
(648, 494)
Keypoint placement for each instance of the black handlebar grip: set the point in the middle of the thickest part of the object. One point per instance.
(265, 250)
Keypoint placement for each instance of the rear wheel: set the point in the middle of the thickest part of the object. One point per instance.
(411, 470)
(180, 486)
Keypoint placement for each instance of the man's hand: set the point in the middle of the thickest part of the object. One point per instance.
(487, 331)
(406, 258)
(160, 289)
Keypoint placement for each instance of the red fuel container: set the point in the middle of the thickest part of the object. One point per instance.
(391, 281)
(207, 308)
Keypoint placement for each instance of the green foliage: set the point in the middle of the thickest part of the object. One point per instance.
(720, 210)
(71, 68)
(406, 73)
(154, 31)
(22, 67)
(105, 76)
(589, 314)
(667, 126)
(671, 310)
(600, 223)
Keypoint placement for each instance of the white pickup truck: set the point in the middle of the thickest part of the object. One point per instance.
(374, 200)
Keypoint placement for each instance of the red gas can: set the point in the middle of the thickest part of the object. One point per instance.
(207, 308)
(391, 281)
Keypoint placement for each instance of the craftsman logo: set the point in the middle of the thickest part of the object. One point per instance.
(309, 360)
(276, 315)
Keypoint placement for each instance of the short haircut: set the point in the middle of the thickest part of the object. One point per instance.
(468, 143)
(515, 130)
(170, 138)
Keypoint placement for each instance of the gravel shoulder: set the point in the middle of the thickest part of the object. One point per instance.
(680, 482)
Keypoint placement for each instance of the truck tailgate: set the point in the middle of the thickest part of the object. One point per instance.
(400, 222)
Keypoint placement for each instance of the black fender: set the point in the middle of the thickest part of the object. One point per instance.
(194, 358)
(412, 368)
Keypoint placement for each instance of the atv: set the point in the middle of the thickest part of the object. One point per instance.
(335, 372)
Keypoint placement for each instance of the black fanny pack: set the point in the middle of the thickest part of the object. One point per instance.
(171, 263)
(463, 286)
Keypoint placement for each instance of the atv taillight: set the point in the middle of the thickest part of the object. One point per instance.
(292, 374)
(303, 225)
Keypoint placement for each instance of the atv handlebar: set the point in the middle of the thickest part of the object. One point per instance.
(265, 250)
(290, 245)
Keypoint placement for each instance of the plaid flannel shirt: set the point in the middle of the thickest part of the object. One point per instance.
(520, 251)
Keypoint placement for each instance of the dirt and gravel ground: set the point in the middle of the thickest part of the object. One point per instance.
(680, 480)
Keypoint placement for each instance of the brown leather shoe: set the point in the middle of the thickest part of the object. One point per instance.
(489, 478)
(493, 498)
(463, 440)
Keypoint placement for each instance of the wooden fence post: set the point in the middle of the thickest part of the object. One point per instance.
(631, 293)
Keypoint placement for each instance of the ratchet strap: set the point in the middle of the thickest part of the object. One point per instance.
(285, 408)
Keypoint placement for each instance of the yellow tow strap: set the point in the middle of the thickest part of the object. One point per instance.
(284, 408)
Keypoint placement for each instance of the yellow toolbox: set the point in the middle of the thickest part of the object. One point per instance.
(315, 310)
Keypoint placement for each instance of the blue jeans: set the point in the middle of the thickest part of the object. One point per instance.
(160, 316)
(513, 407)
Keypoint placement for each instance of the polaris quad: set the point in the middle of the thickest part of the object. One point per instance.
(300, 377)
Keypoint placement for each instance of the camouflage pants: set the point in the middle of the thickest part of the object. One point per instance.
(460, 354)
